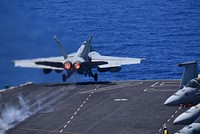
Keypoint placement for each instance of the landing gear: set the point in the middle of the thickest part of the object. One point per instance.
(95, 76)
(64, 77)
(90, 74)
(69, 73)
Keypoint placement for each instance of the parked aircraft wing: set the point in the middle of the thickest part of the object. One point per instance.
(43, 63)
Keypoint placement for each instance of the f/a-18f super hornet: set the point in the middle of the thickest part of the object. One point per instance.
(188, 116)
(82, 62)
(189, 94)
(193, 128)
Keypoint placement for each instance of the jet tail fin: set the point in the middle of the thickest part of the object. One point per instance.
(60, 46)
(87, 47)
(190, 72)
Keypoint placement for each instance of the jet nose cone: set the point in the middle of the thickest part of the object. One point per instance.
(182, 119)
(172, 101)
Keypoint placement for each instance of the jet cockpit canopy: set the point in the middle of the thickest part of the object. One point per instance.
(194, 83)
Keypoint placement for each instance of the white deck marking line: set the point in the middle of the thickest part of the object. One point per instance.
(162, 83)
(158, 90)
(145, 89)
(75, 113)
(172, 82)
(169, 119)
(12, 87)
(154, 84)
(166, 85)
(120, 99)
(84, 102)
(111, 87)
(160, 129)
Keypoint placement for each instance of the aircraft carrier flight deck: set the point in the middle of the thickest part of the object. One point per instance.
(125, 107)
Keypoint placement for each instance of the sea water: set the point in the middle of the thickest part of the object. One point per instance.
(165, 33)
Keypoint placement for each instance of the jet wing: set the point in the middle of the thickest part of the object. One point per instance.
(113, 61)
(55, 63)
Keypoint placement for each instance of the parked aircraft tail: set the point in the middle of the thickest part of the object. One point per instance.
(190, 72)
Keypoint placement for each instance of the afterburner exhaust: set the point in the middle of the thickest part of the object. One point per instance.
(67, 65)
(77, 65)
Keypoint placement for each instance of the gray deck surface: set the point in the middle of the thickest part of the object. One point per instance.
(127, 107)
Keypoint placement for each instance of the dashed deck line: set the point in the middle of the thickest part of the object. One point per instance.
(112, 87)
(154, 84)
(78, 109)
(46, 130)
(168, 120)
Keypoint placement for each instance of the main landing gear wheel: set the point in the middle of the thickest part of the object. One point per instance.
(64, 77)
(95, 77)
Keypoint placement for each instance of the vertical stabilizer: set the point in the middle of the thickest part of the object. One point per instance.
(85, 49)
(190, 72)
(61, 48)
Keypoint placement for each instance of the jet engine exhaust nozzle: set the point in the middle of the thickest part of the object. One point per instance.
(77, 65)
(67, 65)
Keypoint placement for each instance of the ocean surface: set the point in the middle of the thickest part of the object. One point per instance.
(164, 32)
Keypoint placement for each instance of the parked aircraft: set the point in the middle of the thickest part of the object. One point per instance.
(188, 95)
(188, 116)
(193, 128)
(190, 87)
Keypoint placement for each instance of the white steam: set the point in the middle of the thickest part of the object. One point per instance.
(11, 115)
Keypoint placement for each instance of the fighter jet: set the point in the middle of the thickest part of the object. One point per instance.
(189, 116)
(190, 87)
(82, 62)
(193, 128)
(188, 96)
